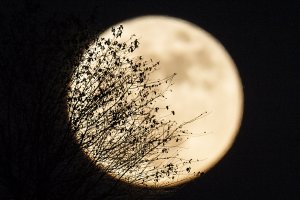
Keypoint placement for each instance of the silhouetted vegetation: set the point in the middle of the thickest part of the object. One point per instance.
(114, 115)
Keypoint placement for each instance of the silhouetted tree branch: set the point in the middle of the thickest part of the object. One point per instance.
(113, 113)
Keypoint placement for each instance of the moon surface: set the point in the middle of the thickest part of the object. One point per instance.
(207, 81)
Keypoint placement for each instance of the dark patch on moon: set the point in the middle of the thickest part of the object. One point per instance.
(183, 36)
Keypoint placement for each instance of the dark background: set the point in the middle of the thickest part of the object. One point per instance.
(263, 40)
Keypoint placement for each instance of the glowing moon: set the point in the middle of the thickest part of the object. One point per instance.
(207, 80)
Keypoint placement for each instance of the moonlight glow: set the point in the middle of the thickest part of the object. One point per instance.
(207, 81)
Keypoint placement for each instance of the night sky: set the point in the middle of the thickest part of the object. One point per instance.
(262, 38)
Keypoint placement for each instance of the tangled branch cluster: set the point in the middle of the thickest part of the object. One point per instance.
(113, 113)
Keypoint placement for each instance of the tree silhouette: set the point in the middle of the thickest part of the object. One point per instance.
(69, 122)
(114, 115)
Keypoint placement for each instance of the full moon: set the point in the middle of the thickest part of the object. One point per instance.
(207, 80)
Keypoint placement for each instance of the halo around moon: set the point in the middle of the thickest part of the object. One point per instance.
(207, 81)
